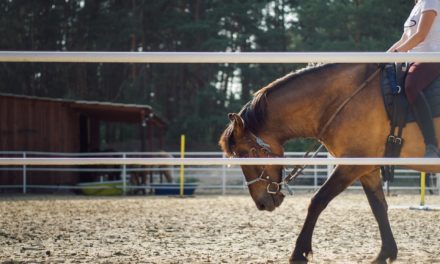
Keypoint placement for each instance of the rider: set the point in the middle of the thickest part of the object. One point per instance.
(422, 34)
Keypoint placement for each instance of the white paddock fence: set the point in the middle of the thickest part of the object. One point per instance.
(210, 171)
(217, 57)
(320, 167)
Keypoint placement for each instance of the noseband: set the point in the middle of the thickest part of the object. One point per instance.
(272, 186)
(270, 183)
(275, 187)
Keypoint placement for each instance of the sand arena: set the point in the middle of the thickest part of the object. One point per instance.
(205, 229)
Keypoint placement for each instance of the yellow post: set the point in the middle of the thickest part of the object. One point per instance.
(422, 205)
(422, 188)
(182, 167)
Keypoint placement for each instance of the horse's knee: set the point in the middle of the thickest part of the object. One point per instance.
(317, 204)
(378, 200)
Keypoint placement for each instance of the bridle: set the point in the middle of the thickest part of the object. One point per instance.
(274, 187)
(260, 145)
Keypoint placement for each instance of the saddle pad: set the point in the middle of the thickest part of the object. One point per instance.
(432, 94)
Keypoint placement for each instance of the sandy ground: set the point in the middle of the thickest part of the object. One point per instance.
(205, 229)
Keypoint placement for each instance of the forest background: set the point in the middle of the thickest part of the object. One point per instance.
(193, 98)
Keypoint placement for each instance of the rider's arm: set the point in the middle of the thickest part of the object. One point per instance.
(398, 43)
(426, 21)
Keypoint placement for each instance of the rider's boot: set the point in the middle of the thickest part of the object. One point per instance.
(422, 113)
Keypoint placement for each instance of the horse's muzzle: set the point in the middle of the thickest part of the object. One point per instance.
(269, 202)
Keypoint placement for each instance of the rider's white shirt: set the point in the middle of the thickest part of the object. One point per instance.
(432, 41)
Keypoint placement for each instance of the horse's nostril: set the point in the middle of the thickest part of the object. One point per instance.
(260, 206)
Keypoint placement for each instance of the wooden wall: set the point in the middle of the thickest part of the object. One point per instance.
(38, 125)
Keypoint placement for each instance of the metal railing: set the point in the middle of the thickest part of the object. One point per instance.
(217, 57)
(318, 172)
(213, 179)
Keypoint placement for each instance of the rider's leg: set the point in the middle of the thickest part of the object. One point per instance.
(419, 77)
(423, 116)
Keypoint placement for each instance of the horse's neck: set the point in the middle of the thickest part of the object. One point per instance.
(301, 107)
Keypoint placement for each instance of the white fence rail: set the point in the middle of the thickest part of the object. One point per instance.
(219, 161)
(321, 167)
(216, 57)
(220, 177)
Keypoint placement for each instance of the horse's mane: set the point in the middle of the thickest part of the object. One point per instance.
(254, 112)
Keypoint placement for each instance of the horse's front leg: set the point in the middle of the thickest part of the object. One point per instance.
(341, 178)
(373, 189)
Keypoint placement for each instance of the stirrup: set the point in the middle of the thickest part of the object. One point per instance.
(432, 151)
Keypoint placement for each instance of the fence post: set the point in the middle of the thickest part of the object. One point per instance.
(422, 188)
(182, 167)
(124, 175)
(24, 175)
(329, 167)
(223, 177)
(386, 186)
(315, 175)
(437, 180)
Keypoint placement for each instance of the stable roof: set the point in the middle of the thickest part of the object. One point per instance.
(105, 111)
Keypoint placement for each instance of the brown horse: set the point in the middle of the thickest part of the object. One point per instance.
(139, 177)
(300, 105)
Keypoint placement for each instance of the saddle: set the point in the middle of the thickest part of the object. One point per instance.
(432, 92)
(396, 105)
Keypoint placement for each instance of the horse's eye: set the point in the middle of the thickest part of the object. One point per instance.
(242, 154)
(238, 154)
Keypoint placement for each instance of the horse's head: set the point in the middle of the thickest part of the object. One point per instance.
(262, 180)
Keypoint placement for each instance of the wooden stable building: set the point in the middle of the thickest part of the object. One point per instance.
(57, 125)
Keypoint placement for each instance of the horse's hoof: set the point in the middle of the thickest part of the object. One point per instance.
(381, 259)
(300, 258)
(386, 254)
(298, 261)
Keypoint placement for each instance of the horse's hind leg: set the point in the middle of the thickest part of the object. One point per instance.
(374, 191)
(341, 178)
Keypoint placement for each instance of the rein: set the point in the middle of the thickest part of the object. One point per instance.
(299, 169)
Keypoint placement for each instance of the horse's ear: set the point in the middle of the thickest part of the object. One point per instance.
(237, 123)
